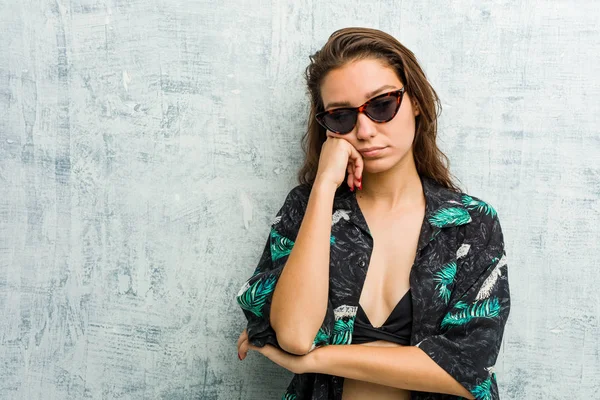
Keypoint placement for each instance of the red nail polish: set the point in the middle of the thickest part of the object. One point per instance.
(240, 357)
(360, 187)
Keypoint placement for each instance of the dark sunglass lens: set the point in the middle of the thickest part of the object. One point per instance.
(340, 121)
(382, 109)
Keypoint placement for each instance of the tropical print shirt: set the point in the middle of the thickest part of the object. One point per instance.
(459, 287)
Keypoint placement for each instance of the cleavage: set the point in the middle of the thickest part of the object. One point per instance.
(402, 299)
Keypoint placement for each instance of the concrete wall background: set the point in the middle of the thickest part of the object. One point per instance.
(146, 145)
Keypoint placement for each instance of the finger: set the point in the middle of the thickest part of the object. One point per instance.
(239, 343)
(358, 169)
(243, 335)
(243, 349)
(350, 176)
(357, 162)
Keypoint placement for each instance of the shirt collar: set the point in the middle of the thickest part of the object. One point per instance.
(444, 209)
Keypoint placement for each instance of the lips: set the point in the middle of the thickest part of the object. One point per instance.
(371, 151)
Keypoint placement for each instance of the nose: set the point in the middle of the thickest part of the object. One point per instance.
(365, 127)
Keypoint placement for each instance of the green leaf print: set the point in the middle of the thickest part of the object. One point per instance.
(255, 297)
(321, 338)
(280, 245)
(478, 205)
(450, 217)
(483, 391)
(342, 331)
(289, 396)
(461, 305)
(487, 308)
(444, 279)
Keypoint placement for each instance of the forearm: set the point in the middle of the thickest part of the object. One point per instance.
(406, 367)
(300, 298)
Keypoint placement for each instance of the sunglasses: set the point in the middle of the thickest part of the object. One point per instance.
(382, 108)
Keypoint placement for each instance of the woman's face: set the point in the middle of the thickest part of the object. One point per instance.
(356, 83)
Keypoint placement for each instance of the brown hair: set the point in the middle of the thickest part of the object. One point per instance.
(352, 44)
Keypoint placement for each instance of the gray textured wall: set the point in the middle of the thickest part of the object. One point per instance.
(145, 145)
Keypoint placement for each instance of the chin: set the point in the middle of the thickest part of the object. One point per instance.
(378, 165)
(374, 166)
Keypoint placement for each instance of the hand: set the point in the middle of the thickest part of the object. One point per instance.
(337, 157)
(242, 345)
(291, 362)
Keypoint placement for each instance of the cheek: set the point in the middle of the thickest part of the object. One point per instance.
(404, 130)
(406, 117)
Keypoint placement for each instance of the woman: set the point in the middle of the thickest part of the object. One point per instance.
(376, 196)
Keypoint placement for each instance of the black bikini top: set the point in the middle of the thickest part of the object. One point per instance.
(396, 329)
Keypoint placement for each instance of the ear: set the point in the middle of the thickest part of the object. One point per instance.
(416, 109)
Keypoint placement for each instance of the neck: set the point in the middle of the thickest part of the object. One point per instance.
(397, 188)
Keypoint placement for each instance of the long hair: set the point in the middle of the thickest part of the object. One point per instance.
(353, 44)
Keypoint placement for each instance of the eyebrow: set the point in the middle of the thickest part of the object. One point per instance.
(368, 96)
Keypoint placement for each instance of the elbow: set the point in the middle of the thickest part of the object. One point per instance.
(292, 340)
(467, 396)
(465, 393)
(291, 344)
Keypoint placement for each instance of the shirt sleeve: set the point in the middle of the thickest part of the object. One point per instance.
(473, 327)
(255, 295)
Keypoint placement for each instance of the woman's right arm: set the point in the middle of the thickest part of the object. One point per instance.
(301, 296)
(286, 299)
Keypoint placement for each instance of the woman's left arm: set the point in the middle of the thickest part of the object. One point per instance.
(402, 367)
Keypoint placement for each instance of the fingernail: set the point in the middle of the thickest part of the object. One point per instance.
(240, 357)
(352, 188)
(360, 187)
